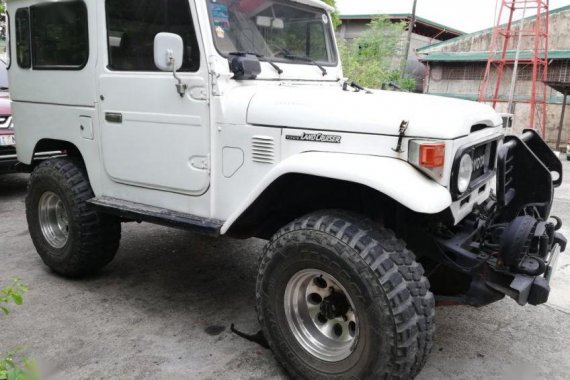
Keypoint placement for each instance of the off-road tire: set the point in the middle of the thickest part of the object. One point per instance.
(93, 238)
(418, 285)
(378, 272)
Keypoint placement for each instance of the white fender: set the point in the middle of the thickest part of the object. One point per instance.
(393, 177)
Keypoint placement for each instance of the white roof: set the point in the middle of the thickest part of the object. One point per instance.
(315, 3)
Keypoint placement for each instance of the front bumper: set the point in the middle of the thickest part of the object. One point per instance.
(510, 245)
(8, 160)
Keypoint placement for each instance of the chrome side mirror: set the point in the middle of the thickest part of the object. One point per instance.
(168, 56)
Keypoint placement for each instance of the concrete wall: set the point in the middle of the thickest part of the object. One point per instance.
(442, 81)
(481, 41)
(463, 79)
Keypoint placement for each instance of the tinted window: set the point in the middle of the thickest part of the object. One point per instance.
(133, 24)
(23, 52)
(60, 37)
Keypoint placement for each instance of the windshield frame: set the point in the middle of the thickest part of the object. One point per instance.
(330, 38)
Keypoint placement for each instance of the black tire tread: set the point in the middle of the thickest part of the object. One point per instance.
(380, 251)
(100, 234)
(418, 285)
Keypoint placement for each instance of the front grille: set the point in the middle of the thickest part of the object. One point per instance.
(484, 157)
(5, 121)
(483, 160)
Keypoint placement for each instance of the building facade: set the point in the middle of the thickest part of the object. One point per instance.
(456, 68)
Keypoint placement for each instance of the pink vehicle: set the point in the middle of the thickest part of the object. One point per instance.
(8, 159)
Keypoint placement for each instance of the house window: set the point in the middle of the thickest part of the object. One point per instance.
(60, 36)
(133, 24)
(23, 50)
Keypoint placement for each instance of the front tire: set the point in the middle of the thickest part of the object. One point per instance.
(333, 300)
(70, 236)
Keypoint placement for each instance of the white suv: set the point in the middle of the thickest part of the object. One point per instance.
(232, 117)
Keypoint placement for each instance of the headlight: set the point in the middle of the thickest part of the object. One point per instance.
(465, 173)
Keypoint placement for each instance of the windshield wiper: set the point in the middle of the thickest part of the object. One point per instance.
(261, 57)
(304, 58)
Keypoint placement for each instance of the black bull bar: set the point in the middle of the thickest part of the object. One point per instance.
(526, 251)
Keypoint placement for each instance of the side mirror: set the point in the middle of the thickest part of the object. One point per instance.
(168, 56)
(244, 66)
(168, 51)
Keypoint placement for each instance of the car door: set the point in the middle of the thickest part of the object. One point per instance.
(153, 137)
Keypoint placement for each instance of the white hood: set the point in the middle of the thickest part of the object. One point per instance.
(332, 109)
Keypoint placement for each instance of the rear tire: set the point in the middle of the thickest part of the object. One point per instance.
(70, 236)
(373, 270)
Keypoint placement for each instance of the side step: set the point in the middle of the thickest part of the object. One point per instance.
(144, 213)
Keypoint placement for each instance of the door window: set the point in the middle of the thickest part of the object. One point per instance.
(60, 37)
(52, 36)
(23, 49)
(133, 24)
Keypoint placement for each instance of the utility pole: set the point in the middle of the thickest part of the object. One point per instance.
(408, 41)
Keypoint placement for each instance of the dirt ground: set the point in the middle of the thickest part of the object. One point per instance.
(163, 310)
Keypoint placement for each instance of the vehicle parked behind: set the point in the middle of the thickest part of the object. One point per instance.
(8, 157)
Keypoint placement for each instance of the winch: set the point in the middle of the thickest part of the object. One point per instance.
(526, 243)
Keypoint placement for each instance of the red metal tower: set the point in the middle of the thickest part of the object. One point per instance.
(520, 47)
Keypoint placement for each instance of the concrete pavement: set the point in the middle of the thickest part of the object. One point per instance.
(163, 308)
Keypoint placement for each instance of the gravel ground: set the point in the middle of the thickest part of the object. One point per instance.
(163, 308)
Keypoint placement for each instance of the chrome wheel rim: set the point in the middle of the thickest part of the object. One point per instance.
(321, 315)
(54, 220)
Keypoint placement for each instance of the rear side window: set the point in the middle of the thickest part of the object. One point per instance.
(23, 48)
(133, 24)
(60, 37)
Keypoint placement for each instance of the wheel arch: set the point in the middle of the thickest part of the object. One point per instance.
(48, 148)
(314, 181)
(54, 145)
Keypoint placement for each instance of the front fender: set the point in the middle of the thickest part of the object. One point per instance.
(393, 177)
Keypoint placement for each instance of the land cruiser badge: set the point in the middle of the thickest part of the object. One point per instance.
(316, 137)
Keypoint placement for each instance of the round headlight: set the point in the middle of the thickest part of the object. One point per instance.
(465, 173)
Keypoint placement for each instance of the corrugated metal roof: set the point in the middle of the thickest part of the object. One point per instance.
(439, 56)
(401, 15)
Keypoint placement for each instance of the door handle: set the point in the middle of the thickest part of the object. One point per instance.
(113, 117)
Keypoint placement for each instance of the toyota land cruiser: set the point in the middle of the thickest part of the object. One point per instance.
(232, 117)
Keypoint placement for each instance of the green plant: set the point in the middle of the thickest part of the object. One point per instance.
(12, 365)
(13, 369)
(372, 59)
(12, 294)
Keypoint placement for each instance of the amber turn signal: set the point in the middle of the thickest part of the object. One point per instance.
(432, 155)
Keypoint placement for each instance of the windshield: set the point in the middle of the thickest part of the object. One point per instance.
(275, 29)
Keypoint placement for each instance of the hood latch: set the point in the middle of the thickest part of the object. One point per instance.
(402, 134)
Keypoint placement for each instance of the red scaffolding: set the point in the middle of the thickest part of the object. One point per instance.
(522, 48)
